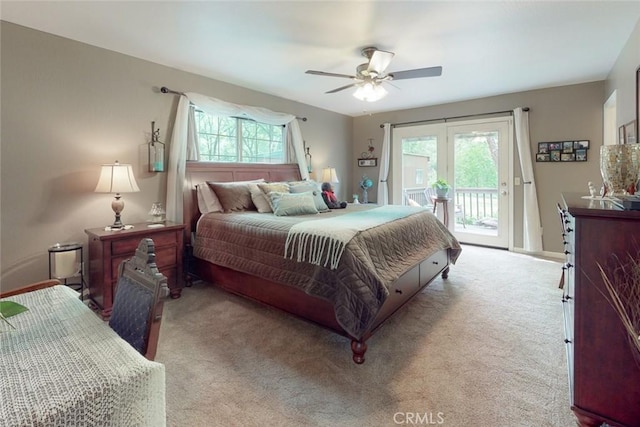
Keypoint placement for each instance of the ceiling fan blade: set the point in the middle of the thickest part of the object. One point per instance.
(322, 73)
(379, 61)
(341, 88)
(417, 73)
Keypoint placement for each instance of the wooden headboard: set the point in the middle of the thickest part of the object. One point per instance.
(197, 172)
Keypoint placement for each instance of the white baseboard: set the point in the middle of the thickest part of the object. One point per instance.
(547, 254)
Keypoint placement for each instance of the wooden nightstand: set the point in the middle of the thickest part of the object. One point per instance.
(107, 249)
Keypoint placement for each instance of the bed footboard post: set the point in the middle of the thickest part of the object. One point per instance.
(358, 348)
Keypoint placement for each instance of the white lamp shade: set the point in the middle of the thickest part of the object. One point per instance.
(330, 175)
(370, 92)
(117, 178)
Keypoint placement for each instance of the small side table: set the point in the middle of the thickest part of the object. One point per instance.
(107, 249)
(66, 262)
(445, 208)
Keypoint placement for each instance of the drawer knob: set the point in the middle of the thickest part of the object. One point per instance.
(569, 229)
(569, 265)
(435, 262)
(399, 291)
(567, 252)
(567, 341)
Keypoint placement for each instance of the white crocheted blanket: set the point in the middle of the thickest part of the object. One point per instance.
(322, 241)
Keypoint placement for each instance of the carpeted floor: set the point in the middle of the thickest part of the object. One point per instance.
(483, 348)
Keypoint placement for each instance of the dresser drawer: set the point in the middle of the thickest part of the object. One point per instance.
(128, 246)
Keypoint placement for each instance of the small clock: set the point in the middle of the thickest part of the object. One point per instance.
(368, 162)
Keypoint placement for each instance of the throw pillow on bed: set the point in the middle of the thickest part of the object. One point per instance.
(260, 199)
(208, 200)
(287, 204)
(313, 188)
(269, 187)
(233, 196)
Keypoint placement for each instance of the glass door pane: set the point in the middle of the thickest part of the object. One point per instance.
(480, 200)
(417, 154)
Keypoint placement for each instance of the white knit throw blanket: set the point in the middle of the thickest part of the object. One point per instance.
(322, 242)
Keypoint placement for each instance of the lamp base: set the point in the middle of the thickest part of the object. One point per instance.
(117, 205)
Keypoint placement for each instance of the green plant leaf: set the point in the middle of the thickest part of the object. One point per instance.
(10, 308)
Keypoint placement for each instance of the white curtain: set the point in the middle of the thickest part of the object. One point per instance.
(184, 140)
(532, 227)
(383, 187)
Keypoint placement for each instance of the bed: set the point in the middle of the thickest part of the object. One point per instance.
(381, 268)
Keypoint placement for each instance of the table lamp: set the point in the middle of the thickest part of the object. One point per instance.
(117, 178)
(329, 175)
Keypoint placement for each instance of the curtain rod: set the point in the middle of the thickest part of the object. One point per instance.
(454, 117)
(165, 89)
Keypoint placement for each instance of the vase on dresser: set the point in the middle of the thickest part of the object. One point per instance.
(620, 167)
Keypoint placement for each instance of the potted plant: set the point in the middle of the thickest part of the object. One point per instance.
(442, 188)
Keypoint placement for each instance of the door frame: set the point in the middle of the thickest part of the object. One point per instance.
(445, 150)
(506, 154)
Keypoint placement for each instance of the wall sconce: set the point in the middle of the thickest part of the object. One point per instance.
(307, 157)
(156, 151)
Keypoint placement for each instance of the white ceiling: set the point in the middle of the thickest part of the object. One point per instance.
(485, 48)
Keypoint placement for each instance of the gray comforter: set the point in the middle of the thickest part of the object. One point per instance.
(254, 243)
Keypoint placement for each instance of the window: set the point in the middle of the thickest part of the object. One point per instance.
(233, 139)
(419, 176)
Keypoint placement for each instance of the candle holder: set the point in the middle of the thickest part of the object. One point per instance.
(156, 213)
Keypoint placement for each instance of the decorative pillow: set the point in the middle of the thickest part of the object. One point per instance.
(303, 186)
(207, 199)
(233, 196)
(287, 204)
(321, 206)
(268, 187)
(259, 199)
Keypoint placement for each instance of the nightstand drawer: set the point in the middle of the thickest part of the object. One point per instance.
(164, 257)
(128, 246)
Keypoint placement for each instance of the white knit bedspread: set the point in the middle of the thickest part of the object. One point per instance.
(322, 242)
(64, 366)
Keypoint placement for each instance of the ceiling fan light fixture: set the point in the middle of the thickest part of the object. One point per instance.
(370, 92)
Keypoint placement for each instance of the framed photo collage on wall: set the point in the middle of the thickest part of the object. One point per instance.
(563, 151)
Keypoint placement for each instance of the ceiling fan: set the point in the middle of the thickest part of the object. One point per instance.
(370, 75)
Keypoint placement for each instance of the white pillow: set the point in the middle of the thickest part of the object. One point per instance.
(207, 199)
(287, 204)
(259, 199)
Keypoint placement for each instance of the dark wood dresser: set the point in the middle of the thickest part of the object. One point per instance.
(107, 249)
(604, 376)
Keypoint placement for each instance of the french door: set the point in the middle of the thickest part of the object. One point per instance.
(474, 157)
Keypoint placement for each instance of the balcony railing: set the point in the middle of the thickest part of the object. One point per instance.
(475, 204)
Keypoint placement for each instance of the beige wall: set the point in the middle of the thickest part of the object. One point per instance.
(622, 80)
(68, 107)
(557, 114)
